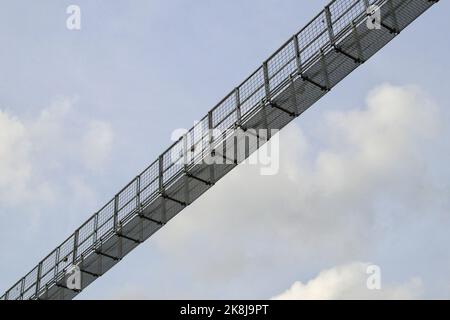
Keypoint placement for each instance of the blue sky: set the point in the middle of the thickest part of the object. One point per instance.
(82, 112)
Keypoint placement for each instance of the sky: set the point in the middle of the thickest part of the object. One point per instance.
(363, 174)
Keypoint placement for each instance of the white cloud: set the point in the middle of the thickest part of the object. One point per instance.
(15, 150)
(129, 292)
(97, 144)
(342, 190)
(82, 192)
(349, 282)
(39, 155)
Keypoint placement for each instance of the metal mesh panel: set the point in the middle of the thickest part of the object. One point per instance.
(49, 263)
(227, 122)
(29, 293)
(46, 279)
(106, 213)
(223, 110)
(177, 152)
(170, 169)
(105, 220)
(283, 57)
(198, 136)
(14, 292)
(149, 182)
(344, 12)
(127, 200)
(198, 132)
(86, 245)
(252, 85)
(86, 230)
(105, 229)
(282, 64)
(313, 37)
(193, 137)
(66, 254)
(252, 91)
(31, 278)
(283, 74)
(127, 195)
(127, 209)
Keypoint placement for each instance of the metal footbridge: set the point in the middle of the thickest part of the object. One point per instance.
(338, 40)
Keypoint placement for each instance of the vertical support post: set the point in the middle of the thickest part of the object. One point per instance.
(185, 163)
(267, 98)
(100, 264)
(329, 25)
(324, 69)
(160, 174)
(235, 146)
(61, 294)
(266, 80)
(210, 150)
(238, 106)
(186, 188)
(141, 231)
(81, 266)
(56, 262)
(161, 189)
(38, 280)
(358, 42)
(394, 16)
(264, 120)
(95, 227)
(116, 225)
(75, 246)
(139, 205)
(138, 193)
(116, 212)
(238, 115)
(298, 58)
(294, 95)
(22, 287)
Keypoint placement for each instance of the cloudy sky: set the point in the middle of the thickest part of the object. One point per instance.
(363, 178)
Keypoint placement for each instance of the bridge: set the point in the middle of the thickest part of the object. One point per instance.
(315, 59)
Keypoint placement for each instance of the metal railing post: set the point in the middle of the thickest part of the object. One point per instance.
(267, 97)
(95, 228)
(75, 246)
(116, 212)
(185, 166)
(298, 57)
(238, 106)
(22, 288)
(138, 193)
(161, 188)
(38, 280)
(211, 153)
(266, 80)
(329, 25)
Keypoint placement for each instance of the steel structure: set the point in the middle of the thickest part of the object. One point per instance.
(305, 68)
